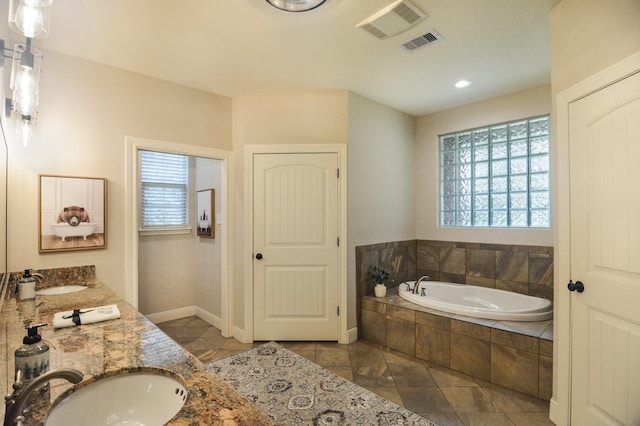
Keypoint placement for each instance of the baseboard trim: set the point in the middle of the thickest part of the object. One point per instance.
(209, 317)
(173, 314)
(186, 311)
(240, 335)
(553, 412)
(352, 335)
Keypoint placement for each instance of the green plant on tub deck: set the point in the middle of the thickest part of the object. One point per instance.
(379, 276)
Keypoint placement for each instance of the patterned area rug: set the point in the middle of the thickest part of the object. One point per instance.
(293, 390)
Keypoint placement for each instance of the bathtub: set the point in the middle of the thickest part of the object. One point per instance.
(479, 302)
(64, 230)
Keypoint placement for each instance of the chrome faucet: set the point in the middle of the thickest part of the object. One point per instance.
(15, 402)
(417, 285)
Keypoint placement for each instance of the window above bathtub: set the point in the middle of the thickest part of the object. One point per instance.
(496, 176)
(164, 192)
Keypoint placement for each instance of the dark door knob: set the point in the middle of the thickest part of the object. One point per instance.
(259, 256)
(578, 286)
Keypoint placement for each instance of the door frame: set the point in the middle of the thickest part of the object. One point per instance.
(132, 146)
(249, 152)
(560, 406)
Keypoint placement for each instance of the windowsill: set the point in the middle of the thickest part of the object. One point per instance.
(164, 231)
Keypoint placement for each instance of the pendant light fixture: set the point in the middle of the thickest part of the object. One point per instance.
(31, 19)
(295, 5)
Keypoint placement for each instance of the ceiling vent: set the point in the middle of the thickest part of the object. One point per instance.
(399, 16)
(425, 39)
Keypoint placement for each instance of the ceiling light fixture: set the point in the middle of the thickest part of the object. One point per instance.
(31, 19)
(295, 5)
(463, 83)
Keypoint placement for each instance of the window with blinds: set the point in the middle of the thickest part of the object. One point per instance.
(164, 189)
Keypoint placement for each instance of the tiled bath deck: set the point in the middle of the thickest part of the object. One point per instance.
(512, 354)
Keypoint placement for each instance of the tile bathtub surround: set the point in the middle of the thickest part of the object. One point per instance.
(510, 354)
(518, 268)
(522, 269)
(128, 344)
(399, 258)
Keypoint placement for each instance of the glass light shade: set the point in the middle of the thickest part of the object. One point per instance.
(30, 17)
(25, 79)
(295, 5)
(25, 130)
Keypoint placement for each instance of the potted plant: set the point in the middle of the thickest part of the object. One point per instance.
(379, 276)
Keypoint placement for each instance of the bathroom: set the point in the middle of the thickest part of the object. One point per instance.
(95, 134)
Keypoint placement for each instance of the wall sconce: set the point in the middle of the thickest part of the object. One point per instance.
(31, 19)
(25, 78)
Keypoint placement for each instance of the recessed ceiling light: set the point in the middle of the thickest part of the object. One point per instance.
(463, 83)
(295, 5)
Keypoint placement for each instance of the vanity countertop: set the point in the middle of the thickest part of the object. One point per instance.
(131, 343)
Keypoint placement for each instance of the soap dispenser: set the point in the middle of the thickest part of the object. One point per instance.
(33, 356)
(27, 286)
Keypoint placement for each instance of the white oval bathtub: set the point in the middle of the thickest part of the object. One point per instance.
(479, 302)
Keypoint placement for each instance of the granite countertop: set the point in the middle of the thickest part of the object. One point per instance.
(129, 344)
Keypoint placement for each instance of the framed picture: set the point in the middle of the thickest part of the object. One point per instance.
(205, 210)
(72, 213)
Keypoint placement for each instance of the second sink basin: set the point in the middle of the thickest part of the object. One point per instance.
(142, 398)
(64, 289)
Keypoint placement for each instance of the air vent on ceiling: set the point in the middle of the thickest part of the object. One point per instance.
(425, 39)
(399, 16)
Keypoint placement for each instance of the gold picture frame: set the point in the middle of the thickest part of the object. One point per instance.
(205, 213)
(72, 213)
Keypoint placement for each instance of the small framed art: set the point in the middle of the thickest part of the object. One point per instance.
(205, 210)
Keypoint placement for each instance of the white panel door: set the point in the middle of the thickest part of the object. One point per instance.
(604, 149)
(295, 246)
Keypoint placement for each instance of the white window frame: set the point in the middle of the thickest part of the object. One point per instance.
(470, 196)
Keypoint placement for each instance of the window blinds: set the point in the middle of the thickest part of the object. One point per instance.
(164, 189)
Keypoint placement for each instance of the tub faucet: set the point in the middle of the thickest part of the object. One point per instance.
(15, 402)
(417, 285)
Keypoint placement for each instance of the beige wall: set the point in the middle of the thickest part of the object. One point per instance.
(273, 118)
(589, 35)
(515, 106)
(208, 251)
(381, 181)
(86, 110)
(167, 270)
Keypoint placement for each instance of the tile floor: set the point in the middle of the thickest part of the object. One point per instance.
(443, 396)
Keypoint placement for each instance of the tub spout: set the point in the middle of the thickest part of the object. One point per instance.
(416, 287)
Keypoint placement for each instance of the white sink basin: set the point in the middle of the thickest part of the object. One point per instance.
(145, 398)
(60, 290)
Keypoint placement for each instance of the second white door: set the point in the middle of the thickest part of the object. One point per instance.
(295, 246)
